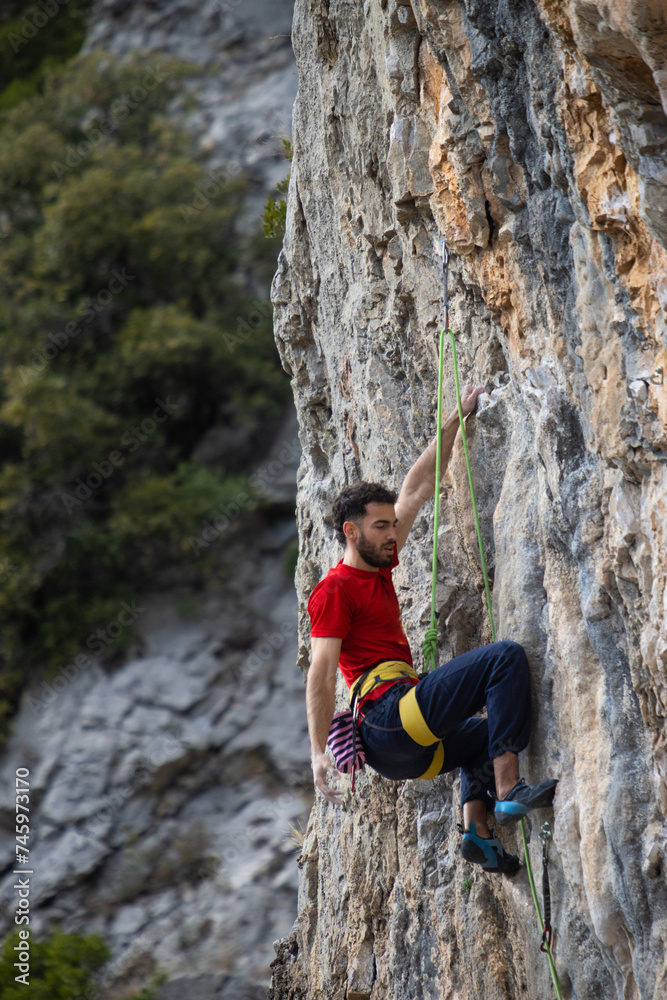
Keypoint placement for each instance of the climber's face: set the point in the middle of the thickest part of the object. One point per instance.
(374, 535)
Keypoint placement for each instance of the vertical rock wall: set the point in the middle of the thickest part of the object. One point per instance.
(531, 135)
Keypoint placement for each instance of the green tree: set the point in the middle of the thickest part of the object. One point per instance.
(62, 967)
(127, 335)
(275, 211)
(35, 38)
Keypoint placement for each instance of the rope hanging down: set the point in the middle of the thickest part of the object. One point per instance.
(430, 645)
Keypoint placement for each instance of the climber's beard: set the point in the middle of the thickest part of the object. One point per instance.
(376, 555)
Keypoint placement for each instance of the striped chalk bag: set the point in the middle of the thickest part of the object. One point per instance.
(344, 741)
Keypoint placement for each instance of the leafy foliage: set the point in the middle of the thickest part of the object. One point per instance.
(275, 211)
(34, 38)
(62, 967)
(126, 337)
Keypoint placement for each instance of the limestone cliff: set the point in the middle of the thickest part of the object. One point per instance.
(532, 136)
(163, 788)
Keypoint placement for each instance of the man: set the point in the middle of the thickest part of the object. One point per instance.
(410, 727)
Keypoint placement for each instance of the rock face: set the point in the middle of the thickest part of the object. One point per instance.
(162, 793)
(532, 136)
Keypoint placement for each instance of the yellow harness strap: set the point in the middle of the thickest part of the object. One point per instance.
(388, 670)
(412, 720)
(415, 726)
(434, 768)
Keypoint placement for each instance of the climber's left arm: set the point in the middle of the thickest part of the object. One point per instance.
(419, 484)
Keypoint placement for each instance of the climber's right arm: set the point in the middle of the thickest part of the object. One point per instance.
(419, 484)
(320, 704)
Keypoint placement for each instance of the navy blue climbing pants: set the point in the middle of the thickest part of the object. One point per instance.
(496, 676)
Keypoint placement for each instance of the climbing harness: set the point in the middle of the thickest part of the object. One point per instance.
(545, 924)
(410, 713)
(412, 719)
(344, 740)
(386, 670)
(415, 726)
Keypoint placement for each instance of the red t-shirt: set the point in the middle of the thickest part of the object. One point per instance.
(361, 608)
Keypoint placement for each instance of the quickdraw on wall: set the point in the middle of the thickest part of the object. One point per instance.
(545, 837)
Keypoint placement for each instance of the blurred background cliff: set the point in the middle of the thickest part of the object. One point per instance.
(532, 136)
(147, 491)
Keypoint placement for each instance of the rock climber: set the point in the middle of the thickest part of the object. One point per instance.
(356, 624)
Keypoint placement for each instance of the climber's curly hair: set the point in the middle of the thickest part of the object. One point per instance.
(351, 503)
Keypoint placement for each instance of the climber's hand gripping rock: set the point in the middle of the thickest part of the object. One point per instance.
(469, 396)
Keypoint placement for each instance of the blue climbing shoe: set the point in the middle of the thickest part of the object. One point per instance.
(487, 852)
(522, 798)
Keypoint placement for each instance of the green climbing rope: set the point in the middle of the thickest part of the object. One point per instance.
(472, 489)
(430, 644)
(547, 947)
